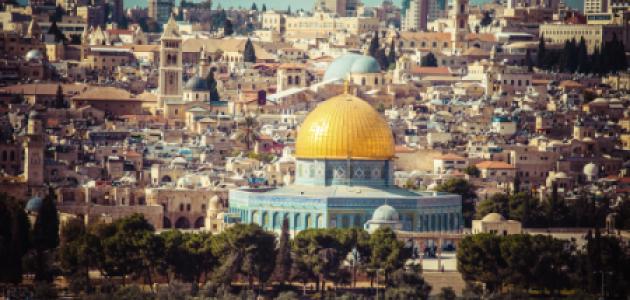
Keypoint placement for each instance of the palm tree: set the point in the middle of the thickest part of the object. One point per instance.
(247, 131)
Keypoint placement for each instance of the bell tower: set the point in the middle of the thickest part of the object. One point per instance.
(459, 19)
(170, 82)
(34, 151)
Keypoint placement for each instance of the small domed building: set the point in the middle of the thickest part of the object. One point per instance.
(344, 171)
(360, 70)
(495, 223)
(384, 216)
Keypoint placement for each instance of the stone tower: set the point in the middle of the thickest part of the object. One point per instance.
(34, 151)
(459, 19)
(170, 84)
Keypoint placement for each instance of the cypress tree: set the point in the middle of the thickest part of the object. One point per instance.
(45, 235)
(391, 56)
(374, 45)
(429, 60)
(382, 59)
(595, 60)
(540, 59)
(582, 57)
(572, 59)
(254, 7)
(264, 8)
(228, 28)
(14, 239)
(59, 101)
(528, 61)
(249, 53)
(284, 262)
(212, 86)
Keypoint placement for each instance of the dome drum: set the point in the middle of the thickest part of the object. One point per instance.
(344, 172)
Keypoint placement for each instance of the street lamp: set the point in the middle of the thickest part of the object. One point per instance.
(376, 272)
(603, 292)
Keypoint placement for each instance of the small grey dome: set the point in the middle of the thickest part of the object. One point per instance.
(196, 84)
(493, 217)
(34, 55)
(351, 63)
(385, 213)
(591, 170)
(34, 204)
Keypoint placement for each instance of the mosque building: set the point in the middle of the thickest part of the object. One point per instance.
(344, 172)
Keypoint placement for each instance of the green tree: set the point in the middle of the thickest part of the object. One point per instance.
(45, 236)
(318, 254)
(382, 59)
(374, 45)
(14, 239)
(73, 255)
(429, 60)
(122, 254)
(447, 293)
(59, 100)
(542, 53)
(56, 32)
(479, 260)
(528, 61)
(391, 55)
(387, 252)
(212, 86)
(472, 170)
(228, 28)
(264, 8)
(497, 203)
(407, 284)
(249, 53)
(248, 131)
(282, 271)
(466, 190)
(607, 257)
(245, 250)
(486, 19)
(254, 7)
(582, 58)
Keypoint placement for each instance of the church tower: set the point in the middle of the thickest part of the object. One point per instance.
(459, 18)
(170, 84)
(34, 151)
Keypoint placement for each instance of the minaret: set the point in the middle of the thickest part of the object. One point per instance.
(459, 17)
(34, 151)
(170, 84)
(204, 65)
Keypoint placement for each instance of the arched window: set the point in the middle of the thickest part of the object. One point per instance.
(255, 218)
(265, 219)
(290, 80)
(12, 156)
(298, 221)
(4, 155)
(297, 79)
(345, 221)
(309, 221)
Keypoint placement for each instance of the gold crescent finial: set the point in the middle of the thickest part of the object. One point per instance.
(346, 86)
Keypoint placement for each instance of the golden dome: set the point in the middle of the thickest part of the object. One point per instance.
(345, 126)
